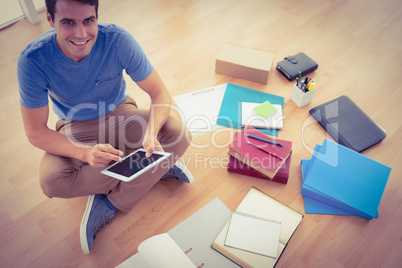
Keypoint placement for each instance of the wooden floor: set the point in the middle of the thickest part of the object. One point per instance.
(358, 45)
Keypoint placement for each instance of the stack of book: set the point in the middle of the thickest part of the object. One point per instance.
(258, 231)
(255, 154)
(338, 180)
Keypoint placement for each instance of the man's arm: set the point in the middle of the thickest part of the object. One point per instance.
(159, 111)
(35, 124)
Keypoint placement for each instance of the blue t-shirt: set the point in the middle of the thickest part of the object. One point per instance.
(83, 90)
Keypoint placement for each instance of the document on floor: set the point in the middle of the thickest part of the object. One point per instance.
(159, 251)
(200, 109)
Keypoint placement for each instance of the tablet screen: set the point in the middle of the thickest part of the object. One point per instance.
(134, 163)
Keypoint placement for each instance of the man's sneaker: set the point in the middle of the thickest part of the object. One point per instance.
(96, 216)
(179, 172)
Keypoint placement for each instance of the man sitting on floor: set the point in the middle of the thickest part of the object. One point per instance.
(80, 65)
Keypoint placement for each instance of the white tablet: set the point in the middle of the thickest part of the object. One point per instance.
(134, 165)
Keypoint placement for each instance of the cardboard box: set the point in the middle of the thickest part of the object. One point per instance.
(245, 63)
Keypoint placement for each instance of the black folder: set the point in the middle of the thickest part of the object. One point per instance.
(292, 65)
(348, 124)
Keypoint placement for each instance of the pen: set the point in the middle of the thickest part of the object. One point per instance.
(265, 151)
(300, 76)
(308, 84)
(261, 139)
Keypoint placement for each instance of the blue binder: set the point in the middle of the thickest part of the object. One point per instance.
(315, 206)
(345, 179)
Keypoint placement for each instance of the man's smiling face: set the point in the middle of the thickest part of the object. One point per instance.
(76, 28)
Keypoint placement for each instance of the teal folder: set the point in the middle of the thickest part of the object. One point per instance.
(230, 111)
(345, 179)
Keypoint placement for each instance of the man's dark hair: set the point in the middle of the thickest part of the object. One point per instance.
(51, 6)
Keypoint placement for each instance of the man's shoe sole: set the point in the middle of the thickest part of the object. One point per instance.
(83, 226)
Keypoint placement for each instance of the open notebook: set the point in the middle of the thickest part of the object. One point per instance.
(188, 244)
(253, 234)
(259, 204)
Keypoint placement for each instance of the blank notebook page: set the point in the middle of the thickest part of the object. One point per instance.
(253, 234)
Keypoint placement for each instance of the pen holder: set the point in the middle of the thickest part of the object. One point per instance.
(301, 98)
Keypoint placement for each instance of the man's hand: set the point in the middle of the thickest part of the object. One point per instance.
(158, 112)
(101, 154)
(151, 144)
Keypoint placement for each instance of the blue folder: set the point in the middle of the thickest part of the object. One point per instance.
(230, 111)
(315, 206)
(345, 179)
